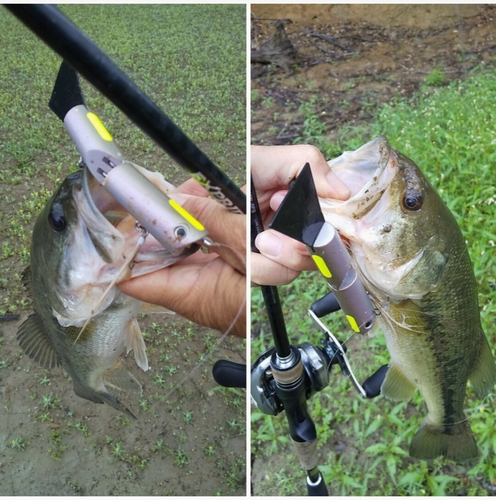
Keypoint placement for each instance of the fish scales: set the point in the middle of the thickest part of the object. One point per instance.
(412, 259)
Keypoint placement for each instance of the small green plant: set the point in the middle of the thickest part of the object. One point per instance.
(209, 450)
(18, 443)
(83, 428)
(436, 78)
(55, 436)
(48, 400)
(180, 458)
(235, 425)
(188, 417)
(172, 369)
(124, 421)
(159, 445)
(57, 452)
(73, 484)
(235, 475)
(118, 451)
(144, 404)
(159, 381)
(44, 417)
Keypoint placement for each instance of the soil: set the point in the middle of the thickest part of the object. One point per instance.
(73, 447)
(346, 61)
(349, 59)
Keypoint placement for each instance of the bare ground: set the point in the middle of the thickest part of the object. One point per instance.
(352, 60)
(188, 442)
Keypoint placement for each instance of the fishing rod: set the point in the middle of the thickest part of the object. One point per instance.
(103, 158)
(284, 377)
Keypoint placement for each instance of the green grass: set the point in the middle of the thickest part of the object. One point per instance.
(450, 133)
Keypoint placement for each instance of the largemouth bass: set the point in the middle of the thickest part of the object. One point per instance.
(80, 242)
(412, 259)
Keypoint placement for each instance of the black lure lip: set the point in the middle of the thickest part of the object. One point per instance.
(66, 92)
(300, 208)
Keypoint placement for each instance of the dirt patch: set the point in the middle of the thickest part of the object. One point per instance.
(352, 58)
(413, 16)
(188, 442)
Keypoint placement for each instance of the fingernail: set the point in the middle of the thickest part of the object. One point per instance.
(179, 198)
(338, 186)
(268, 244)
(276, 200)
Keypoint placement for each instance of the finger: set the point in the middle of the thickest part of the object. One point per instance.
(224, 227)
(211, 295)
(284, 250)
(193, 187)
(274, 167)
(277, 199)
(265, 271)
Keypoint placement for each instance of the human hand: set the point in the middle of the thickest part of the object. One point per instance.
(209, 289)
(281, 258)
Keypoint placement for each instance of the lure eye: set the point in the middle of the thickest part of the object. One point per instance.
(413, 201)
(56, 218)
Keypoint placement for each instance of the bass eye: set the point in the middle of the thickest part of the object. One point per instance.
(56, 218)
(413, 201)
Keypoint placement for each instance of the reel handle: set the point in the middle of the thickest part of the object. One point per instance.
(229, 374)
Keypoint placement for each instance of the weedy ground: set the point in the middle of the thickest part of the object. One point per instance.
(448, 130)
(191, 61)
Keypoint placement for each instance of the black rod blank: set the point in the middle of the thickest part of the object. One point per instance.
(269, 293)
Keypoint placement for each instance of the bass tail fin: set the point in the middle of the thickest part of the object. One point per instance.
(101, 397)
(455, 442)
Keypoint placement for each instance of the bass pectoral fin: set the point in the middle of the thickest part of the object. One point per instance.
(26, 278)
(36, 344)
(135, 342)
(483, 375)
(396, 386)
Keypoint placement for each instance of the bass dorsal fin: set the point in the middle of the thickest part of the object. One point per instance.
(26, 278)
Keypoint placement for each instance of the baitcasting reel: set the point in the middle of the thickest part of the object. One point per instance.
(317, 363)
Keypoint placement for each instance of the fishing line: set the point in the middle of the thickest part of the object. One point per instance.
(480, 406)
(242, 259)
(128, 263)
